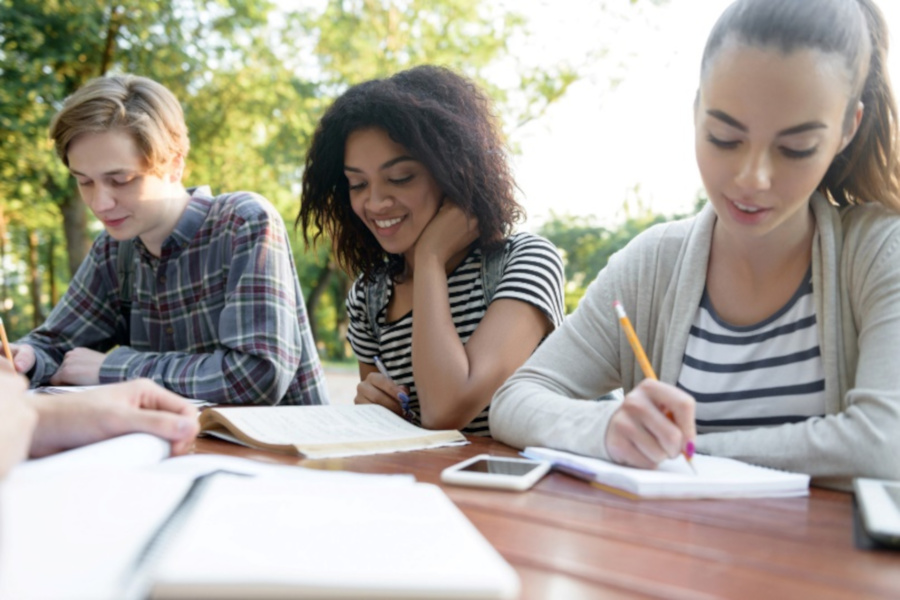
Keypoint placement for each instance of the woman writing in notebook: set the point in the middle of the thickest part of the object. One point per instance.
(408, 178)
(772, 317)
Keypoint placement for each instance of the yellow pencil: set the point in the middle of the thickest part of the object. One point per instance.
(646, 367)
(5, 341)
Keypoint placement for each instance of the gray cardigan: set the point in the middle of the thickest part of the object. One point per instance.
(660, 277)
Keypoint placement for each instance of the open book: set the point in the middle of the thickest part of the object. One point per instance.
(322, 431)
(89, 525)
(715, 477)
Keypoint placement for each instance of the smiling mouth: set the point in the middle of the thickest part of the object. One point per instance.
(747, 209)
(385, 223)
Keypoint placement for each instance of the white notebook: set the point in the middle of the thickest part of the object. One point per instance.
(715, 477)
(118, 520)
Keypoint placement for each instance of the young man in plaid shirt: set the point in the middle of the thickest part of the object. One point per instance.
(216, 309)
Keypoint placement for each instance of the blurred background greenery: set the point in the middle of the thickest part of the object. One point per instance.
(254, 76)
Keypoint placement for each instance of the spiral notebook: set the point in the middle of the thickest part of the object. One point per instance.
(715, 477)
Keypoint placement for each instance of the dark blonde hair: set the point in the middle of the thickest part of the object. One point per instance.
(445, 122)
(868, 169)
(142, 107)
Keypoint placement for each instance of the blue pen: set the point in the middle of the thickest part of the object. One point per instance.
(404, 399)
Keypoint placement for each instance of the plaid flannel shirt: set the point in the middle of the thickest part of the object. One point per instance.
(219, 316)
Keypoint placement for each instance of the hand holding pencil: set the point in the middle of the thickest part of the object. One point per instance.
(656, 421)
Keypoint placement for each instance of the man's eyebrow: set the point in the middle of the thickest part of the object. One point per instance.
(107, 173)
(801, 128)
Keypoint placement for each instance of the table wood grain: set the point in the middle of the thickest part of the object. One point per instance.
(570, 540)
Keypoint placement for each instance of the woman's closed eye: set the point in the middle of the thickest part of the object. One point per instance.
(401, 180)
(720, 143)
(798, 154)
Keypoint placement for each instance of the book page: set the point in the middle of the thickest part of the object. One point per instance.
(132, 450)
(55, 390)
(715, 477)
(334, 430)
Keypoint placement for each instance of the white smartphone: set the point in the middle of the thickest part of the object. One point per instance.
(879, 504)
(500, 472)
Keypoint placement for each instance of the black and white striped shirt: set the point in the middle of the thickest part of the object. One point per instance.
(532, 273)
(764, 374)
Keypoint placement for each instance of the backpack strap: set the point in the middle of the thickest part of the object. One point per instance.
(493, 262)
(492, 265)
(125, 274)
(376, 300)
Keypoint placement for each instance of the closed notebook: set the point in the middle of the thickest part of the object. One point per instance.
(715, 477)
(118, 520)
(322, 431)
(273, 539)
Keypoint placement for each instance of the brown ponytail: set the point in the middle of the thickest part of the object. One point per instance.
(868, 170)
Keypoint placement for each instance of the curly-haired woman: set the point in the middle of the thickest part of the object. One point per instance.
(408, 177)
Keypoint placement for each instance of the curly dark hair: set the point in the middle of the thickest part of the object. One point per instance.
(445, 122)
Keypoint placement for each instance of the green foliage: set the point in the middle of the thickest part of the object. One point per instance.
(253, 80)
(587, 246)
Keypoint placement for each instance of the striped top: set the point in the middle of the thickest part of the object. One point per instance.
(764, 374)
(532, 273)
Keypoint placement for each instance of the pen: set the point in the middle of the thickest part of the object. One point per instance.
(404, 399)
(647, 368)
(6, 349)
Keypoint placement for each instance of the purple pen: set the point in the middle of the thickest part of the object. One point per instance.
(404, 399)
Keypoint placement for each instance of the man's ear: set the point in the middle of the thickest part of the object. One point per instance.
(854, 127)
(176, 168)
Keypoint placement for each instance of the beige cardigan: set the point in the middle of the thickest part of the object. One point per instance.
(660, 277)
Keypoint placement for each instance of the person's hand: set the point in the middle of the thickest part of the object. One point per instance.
(449, 232)
(17, 418)
(80, 366)
(378, 389)
(72, 420)
(641, 435)
(23, 357)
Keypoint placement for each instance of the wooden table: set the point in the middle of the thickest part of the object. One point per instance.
(569, 540)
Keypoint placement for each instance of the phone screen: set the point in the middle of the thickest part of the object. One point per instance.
(500, 467)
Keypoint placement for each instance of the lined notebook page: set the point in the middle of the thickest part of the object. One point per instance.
(715, 477)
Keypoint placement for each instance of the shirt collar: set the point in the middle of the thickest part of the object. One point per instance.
(188, 225)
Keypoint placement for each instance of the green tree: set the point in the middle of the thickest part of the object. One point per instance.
(254, 81)
(587, 246)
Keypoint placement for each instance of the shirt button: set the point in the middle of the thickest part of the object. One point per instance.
(169, 330)
(162, 279)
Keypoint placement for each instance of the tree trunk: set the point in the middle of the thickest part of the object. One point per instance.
(34, 279)
(343, 324)
(75, 226)
(51, 271)
(4, 279)
(315, 296)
